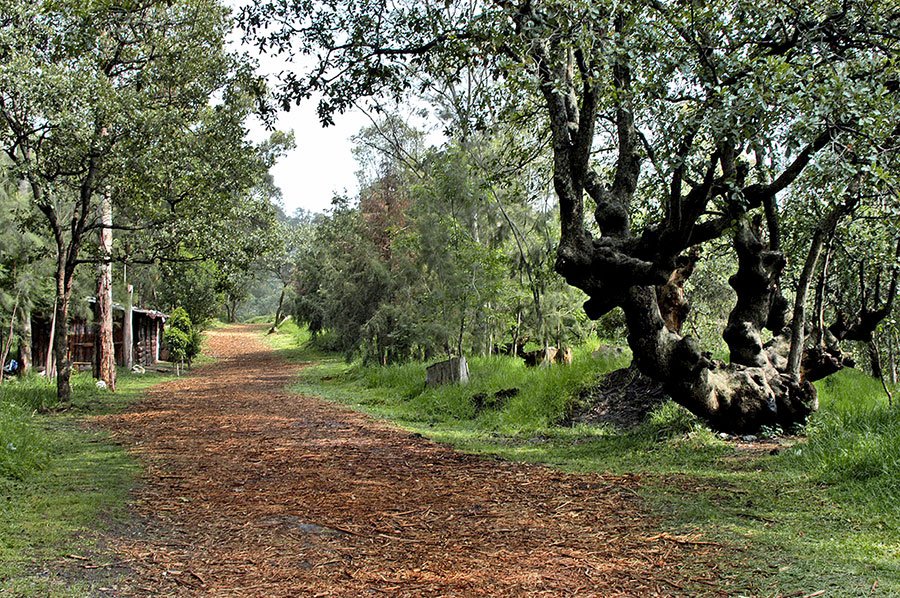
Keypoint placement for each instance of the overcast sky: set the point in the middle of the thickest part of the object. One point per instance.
(321, 164)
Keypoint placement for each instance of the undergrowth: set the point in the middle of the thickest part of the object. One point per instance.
(854, 443)
(800, 514)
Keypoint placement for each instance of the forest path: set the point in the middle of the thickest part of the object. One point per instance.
(250, 490)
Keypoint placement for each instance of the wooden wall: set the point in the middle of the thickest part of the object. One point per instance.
(82, 337)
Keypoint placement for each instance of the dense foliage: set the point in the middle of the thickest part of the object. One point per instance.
(141, 104)
(181, 338)
(433, 259)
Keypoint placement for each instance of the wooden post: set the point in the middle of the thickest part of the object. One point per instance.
(160, 326)
(106, 354)
(128, 330)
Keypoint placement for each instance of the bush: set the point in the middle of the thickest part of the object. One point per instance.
(177, 342)
(195, 344)
(181, 338)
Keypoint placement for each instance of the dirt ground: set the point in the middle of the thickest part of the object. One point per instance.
(252, 491)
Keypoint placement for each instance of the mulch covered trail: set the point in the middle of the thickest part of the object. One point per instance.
(252, 491)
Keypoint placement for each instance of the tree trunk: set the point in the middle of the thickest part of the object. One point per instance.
(875, 360)
(61, 340)
(25, 345)
(673, 304)
(878, 370)
(892, 342)
(759, 301)
(51, 344)
(732, 397)
(105, 348)
(128, 329)
(819, 327)
(278, 314)
(515, 345)
(798, 325)
(6, 345)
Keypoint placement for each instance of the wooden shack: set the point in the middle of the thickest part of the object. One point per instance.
(147, 333)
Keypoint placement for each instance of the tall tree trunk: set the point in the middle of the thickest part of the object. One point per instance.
(798, 325)
(105, 348)
(515, 347)
(231, 310)
(66, 261)
(878, 370)
(875, 360)
(819, 327)
(462, 330)
(61, 340)
(892, 343)
(8, 343)
(25, 344)
(278, 311)
(51, 344)
(128, 329)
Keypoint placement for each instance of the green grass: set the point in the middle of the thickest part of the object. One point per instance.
(263, 319)
(61, 483)
(854, 444)
(821, 514)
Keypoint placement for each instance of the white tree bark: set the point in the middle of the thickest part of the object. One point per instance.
(106, 349)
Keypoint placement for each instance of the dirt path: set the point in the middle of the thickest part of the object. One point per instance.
(252, 491)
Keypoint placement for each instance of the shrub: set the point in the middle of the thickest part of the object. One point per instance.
(195, 344)
(177, 342)
(181, 338)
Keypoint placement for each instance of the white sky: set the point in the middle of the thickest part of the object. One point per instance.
(321, 164)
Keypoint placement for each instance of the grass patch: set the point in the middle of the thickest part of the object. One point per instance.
(854, 443)
(61, 483)
(821, 514)
(263, 319)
